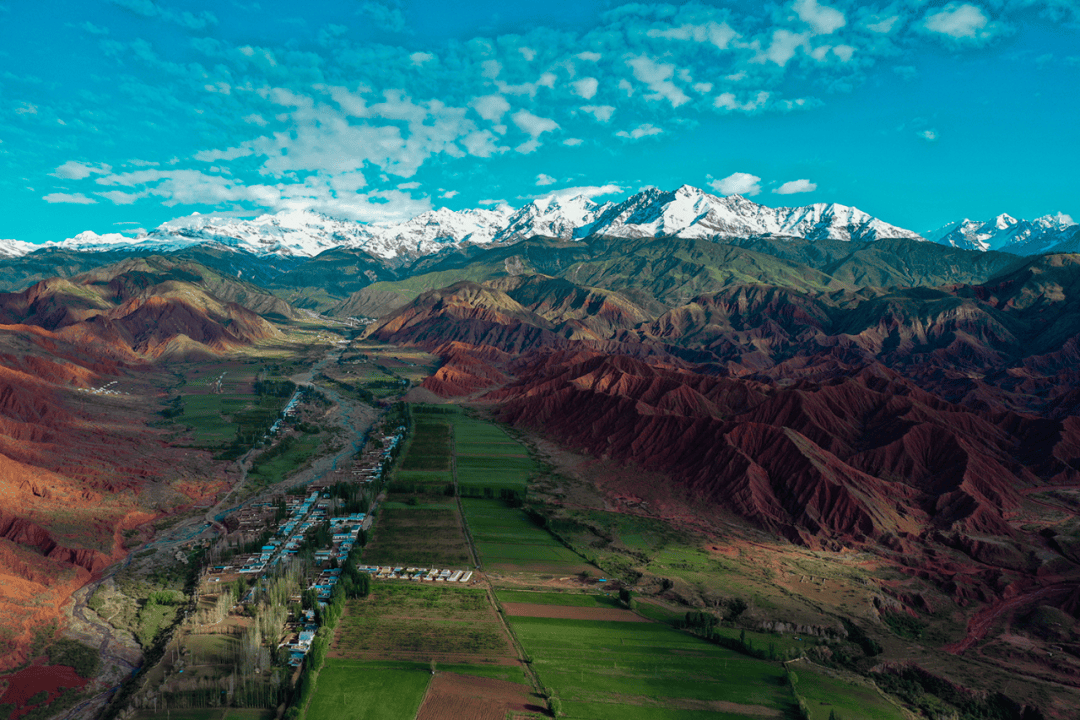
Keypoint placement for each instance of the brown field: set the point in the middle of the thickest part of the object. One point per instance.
(418, 537)
(565, 612)
(419, 623)
(464, 697)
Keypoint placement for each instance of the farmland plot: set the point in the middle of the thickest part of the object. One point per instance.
(509, 540)
(416, 536)
(618, 669)
(422, 622)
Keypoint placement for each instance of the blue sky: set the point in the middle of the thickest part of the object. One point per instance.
(117, 115)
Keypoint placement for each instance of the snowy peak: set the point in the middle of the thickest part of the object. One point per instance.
(550, 217)
(692, 212)
(1007, 234)
(688, 212)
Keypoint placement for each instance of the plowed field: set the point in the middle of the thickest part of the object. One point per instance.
(567, 612)
(464, 697)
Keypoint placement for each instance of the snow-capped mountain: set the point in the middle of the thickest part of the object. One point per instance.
(687, 212)
(1007, 234)
(692, 212)
(16, 248)
(548, 217)
(433, 230)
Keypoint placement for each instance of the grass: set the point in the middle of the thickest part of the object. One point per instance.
(508, 536)
(297, 451)
(354, 690)
(429, 448)
(609, 711)
(415, 536)
(227, 713)
(408, 621)
(826, 691)
(557, 598)
(621, 663)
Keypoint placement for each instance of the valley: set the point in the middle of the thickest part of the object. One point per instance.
(643, 477)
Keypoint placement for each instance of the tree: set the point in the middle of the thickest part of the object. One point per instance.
(624, 596)
(555, 706)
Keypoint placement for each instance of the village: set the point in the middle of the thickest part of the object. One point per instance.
(317, 524)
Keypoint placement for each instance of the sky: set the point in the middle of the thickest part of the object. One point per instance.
(117, 115)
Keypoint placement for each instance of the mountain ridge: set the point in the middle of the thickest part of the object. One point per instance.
(687, 212)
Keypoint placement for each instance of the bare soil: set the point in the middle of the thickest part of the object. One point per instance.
(464, 697)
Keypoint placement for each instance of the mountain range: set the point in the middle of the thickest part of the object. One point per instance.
(687, 212)
(812, 375)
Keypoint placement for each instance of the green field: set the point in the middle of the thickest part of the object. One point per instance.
(278, 463)
(429, 448)
(209, 714)
(825, 691)
(619, 669)
(401, 621)
(352, 690)
(416, 536)
(205, 415)
(508, 539)
(558, 598)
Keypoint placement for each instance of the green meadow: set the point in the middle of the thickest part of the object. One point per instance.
(647, 670)
(354, 690)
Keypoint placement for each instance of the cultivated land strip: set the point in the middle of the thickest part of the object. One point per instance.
(457, 497)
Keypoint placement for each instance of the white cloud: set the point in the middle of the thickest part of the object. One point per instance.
(929, 135)
(26, 108)
(229, 154)
(883, 26)
(254, 119)
(69, 198)
(823, 19)
(703, 87)
(72, 170)
(588, 56)
(728, 101)
(419, 58)
(657, 76)
(844, 52)
(572, 142)
(534, 125)
(543, 179)
(490, 107)
(448, 194)
(491, 69)
(482, 143)
(626, 87)
(586, 87)
(408, 186)
(795, 186)
(964, 22)
(783, 47)
(602, 113)
(718, 34)
(490, 201)
(639, 132)
(119, 197)
(737, 184)
(527, 53)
